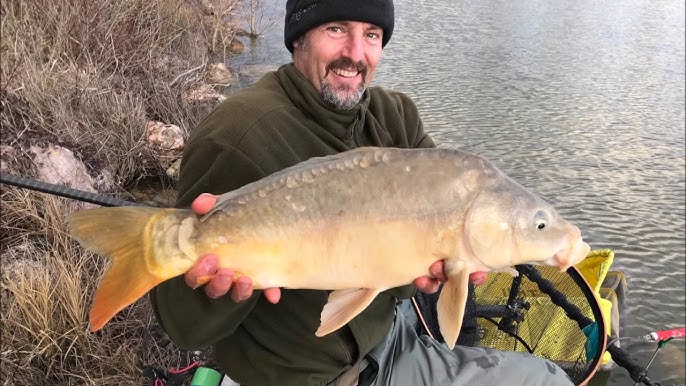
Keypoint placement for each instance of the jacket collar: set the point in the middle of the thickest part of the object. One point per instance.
(341, 123)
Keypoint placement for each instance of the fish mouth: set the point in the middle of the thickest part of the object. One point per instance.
(570, 256)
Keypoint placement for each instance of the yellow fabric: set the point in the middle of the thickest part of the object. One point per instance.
(550, 343)
(606, 310)
(594, 268)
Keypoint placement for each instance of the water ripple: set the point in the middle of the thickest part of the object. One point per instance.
(583, 102)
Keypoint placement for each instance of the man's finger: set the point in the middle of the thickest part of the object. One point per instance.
(436, 270)
(273, 295)
(478, 278)
(426, 284)
(242, 290)
(220, 284)
(203, 203)
(206, 266)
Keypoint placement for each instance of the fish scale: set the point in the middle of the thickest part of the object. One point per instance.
(357, 223)
(335, 188)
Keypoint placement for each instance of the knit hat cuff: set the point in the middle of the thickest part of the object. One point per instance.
(305, 15)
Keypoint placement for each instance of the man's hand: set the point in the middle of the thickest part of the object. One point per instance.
(221, 280)
(430, 285)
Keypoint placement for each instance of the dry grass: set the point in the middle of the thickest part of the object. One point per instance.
(47, 282)
(86, 75)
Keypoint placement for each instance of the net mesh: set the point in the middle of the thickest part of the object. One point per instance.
(550, 314)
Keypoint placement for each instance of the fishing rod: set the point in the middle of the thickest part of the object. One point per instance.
(639, 373)
(63, 191)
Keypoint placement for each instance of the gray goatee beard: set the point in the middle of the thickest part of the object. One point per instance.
(342, 99)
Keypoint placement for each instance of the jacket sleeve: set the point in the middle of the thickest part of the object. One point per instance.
(422, 139)
(190, 318)
(411, 122)
(414, 126)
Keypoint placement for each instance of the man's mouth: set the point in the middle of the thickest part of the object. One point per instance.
(345, 73)
(346, 68)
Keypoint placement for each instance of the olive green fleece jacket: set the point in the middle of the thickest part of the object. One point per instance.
(279, 121)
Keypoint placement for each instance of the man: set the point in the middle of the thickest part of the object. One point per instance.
(319, 104)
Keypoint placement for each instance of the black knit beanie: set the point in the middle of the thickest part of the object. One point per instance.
(303, 15)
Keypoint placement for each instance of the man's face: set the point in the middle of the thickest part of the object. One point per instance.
(340, 59)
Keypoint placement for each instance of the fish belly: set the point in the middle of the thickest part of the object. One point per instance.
(332, 254)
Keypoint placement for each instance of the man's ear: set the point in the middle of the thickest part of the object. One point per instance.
(298, 42)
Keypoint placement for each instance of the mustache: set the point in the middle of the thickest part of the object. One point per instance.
(345, 62)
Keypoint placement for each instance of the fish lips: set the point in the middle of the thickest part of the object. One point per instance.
(571, 256)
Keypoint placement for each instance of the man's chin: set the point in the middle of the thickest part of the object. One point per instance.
(343, 97)
(342, 103)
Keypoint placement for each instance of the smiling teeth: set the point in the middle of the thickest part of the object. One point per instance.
(345, 73)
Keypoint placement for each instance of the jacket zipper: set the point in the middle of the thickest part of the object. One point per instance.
(351, 138)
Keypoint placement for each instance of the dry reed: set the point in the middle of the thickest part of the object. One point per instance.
(86, 75)
(47, 282)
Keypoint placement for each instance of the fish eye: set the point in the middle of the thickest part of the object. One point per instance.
(541, 220)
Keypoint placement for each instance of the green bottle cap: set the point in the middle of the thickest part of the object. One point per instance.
(206, 377)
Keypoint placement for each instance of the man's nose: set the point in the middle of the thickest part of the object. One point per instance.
(354, 48)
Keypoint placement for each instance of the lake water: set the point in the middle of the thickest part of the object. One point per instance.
(582, 101)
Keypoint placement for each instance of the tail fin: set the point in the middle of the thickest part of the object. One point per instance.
(122, 234)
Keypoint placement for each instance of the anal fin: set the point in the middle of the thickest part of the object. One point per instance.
(343, 306)
(452, 302)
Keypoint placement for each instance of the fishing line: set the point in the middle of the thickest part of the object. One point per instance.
(421, 317)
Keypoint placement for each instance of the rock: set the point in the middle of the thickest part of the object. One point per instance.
(202, 94)
(217, 73)
(164, 136)
(7, 156)
(18, 259)
(166, 142)
(58, 165)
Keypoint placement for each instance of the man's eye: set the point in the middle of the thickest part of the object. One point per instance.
(373, 35)
(335, 29)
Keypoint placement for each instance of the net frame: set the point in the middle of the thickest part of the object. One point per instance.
(538, 300)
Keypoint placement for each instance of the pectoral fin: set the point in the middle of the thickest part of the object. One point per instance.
(452, 301)
(343, 306)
